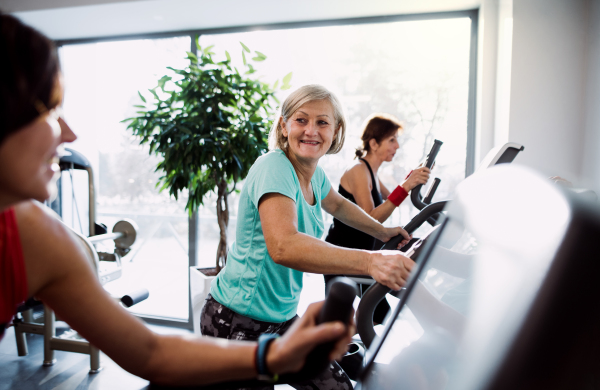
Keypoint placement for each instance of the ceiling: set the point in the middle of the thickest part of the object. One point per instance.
(76, 19)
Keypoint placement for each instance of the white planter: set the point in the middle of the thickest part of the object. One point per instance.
(199, 289)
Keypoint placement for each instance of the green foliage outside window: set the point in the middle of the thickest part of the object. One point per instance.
(208, 123)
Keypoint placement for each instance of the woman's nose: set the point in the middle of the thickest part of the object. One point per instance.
(66, 134)
(311, 129)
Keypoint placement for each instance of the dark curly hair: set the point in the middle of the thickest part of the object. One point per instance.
(29, 72)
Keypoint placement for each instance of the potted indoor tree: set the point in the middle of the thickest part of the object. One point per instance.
(208, 123)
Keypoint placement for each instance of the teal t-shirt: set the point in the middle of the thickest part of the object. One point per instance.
(252, 284)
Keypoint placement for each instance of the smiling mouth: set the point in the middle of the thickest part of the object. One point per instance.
(310, 142)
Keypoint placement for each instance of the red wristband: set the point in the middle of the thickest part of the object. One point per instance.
(398, 195)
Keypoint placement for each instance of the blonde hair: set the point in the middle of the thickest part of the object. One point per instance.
(297, 99)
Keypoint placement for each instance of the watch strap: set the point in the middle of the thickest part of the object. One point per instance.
(264, 341)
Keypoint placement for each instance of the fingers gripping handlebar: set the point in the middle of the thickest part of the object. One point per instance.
(376, 293)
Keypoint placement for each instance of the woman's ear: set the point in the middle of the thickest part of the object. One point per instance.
(284, 131)
(373, 144)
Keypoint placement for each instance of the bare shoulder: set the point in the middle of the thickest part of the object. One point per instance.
(50, 249)
(39, 223)
(356, 176)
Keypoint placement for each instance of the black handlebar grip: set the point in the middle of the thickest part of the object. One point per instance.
(419, 219)
(337, 307)
(437, 144)
(415, 193)
(432, 190)
(135, 297)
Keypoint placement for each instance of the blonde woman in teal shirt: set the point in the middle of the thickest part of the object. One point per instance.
(279, 226)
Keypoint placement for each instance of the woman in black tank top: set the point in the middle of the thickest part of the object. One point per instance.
(360, 185)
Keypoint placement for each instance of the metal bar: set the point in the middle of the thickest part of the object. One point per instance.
(107, 236)
(49, 333)
(472, 102)
(92, 200)
(77, 346)
(26, 327)
(276, 26)
(166, 321)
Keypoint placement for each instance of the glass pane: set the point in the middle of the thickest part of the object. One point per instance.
(417, 71)
(102, 81)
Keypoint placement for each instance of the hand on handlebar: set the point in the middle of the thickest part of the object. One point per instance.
(389, 233)
(390, 268)
(416, 177)
(288, 353)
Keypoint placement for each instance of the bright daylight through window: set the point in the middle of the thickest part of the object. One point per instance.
(417, 71)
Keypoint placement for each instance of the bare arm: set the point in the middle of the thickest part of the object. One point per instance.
(357, 181)
(288, 247)
(59, 274)
(353, 215)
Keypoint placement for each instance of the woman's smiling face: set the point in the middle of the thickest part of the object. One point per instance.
(310, 131)
(29, 156)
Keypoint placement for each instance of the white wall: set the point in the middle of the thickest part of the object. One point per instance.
(547, 94)
(591, 161)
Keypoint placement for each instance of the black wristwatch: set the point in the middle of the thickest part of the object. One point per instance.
(264, 340)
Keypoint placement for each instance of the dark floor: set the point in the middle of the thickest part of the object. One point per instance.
(69, 372)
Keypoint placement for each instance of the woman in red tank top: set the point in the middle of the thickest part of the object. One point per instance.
(40, 257)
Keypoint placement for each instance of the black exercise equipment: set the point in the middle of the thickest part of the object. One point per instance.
(337, 307)
(503, 154)
(29, 319)
(521, 312)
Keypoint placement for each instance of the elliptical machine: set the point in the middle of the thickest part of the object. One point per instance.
(430, 212)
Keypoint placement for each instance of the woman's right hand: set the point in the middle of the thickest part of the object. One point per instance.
(288, 353)
(390, 268)
(416, 177)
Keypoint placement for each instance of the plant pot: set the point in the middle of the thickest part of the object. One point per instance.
(199, 289)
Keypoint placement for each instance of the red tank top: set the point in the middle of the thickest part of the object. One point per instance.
(13, 280)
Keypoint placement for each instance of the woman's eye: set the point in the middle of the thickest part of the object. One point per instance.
(300, 120)
(323, 123)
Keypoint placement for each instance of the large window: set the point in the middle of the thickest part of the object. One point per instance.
(417, 70)
(102, 81)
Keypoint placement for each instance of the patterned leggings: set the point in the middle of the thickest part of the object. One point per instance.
(218, 321)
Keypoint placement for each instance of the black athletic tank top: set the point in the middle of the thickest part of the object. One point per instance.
(343, 235)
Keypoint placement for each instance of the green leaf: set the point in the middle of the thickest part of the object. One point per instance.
(141, 97)
(244, 57)
(286, 80)
(245, 47)
(264, 57)
(198, 42)
(258, 59)
(228, 56)
(206, 51)
(276, 85)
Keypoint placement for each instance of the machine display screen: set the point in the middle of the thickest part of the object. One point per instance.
(419, 346)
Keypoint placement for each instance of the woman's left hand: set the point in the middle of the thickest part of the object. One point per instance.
(390, 232)
(417, 176)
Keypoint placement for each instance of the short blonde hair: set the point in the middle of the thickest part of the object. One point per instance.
(297, 99)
